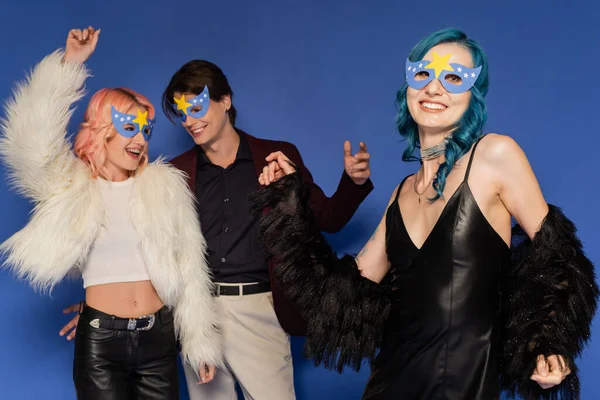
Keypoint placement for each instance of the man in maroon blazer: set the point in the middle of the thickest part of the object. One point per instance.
(223, 169)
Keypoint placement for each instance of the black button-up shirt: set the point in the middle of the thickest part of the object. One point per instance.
(234, 252)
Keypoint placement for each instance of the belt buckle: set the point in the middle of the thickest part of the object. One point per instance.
(132, 324)
(217, 290)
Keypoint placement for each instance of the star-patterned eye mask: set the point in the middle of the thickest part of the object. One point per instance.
(196, 107)
(129, 125)
(455, 78)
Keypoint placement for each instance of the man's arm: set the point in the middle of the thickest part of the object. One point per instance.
(333, 213)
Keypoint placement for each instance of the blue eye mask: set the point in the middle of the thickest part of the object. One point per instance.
(455, 78)
(196, 107)
(129, 125)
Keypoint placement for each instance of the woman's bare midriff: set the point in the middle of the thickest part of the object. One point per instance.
(124, 299)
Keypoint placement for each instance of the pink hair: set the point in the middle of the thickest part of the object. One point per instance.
(97, 128)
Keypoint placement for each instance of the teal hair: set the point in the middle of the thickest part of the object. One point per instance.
(470, 125)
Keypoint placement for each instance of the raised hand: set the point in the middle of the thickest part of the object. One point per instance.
(81, 44)
(278, 166)
(357, 166)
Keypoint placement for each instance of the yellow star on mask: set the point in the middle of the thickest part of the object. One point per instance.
(141, 120)
(439, 64)
(182, 104)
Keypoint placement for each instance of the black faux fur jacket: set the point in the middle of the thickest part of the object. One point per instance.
(550, 293)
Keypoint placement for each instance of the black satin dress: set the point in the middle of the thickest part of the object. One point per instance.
(441, 341)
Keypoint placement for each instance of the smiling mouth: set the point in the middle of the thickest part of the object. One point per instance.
(197, 131)
(432, 106)
(135, 153)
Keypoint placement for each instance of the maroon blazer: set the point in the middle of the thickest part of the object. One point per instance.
(331, 213)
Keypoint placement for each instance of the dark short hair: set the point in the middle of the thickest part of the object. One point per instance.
(191, 78)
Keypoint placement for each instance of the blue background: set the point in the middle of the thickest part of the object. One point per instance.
(314, 73)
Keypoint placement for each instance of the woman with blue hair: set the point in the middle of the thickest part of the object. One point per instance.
(455, 310)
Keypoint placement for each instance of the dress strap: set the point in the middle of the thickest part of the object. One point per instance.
(471, 158)
(400, 187)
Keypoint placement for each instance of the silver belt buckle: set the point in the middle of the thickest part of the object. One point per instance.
(132, 324)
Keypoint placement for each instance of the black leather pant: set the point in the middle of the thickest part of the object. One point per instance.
(125, 365)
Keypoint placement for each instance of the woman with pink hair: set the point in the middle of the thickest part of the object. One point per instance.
(128, 227)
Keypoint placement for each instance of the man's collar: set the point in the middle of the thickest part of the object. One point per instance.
(243, 152)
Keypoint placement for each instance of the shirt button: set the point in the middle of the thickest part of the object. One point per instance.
(226, 230)
(223, 259)
(226, 200)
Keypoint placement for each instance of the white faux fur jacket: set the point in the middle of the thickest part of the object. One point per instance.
(69, 211)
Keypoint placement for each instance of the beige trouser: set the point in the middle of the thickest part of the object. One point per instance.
(257, 353)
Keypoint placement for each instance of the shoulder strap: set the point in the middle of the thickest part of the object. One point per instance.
(400, 187)
(471, 158)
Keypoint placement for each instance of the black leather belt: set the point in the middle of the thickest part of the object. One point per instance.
(143, 323)
(99, 319)
(234, 290)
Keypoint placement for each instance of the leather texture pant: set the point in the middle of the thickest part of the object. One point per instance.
(119, 364)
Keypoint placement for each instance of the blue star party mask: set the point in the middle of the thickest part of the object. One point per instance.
(196, 107)
(455, 78)
(129, 125)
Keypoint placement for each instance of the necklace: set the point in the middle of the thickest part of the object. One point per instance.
(434, 151)
(427, 187)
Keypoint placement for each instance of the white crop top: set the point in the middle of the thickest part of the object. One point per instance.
(115, 256)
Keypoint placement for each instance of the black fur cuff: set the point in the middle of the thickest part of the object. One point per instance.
(345, 312)
(550, 300)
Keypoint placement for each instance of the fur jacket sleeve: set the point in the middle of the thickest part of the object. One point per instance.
(550, 299)
(174, 252)
(41, 167)
(33, 142)
(345, 312)
(69, 212)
